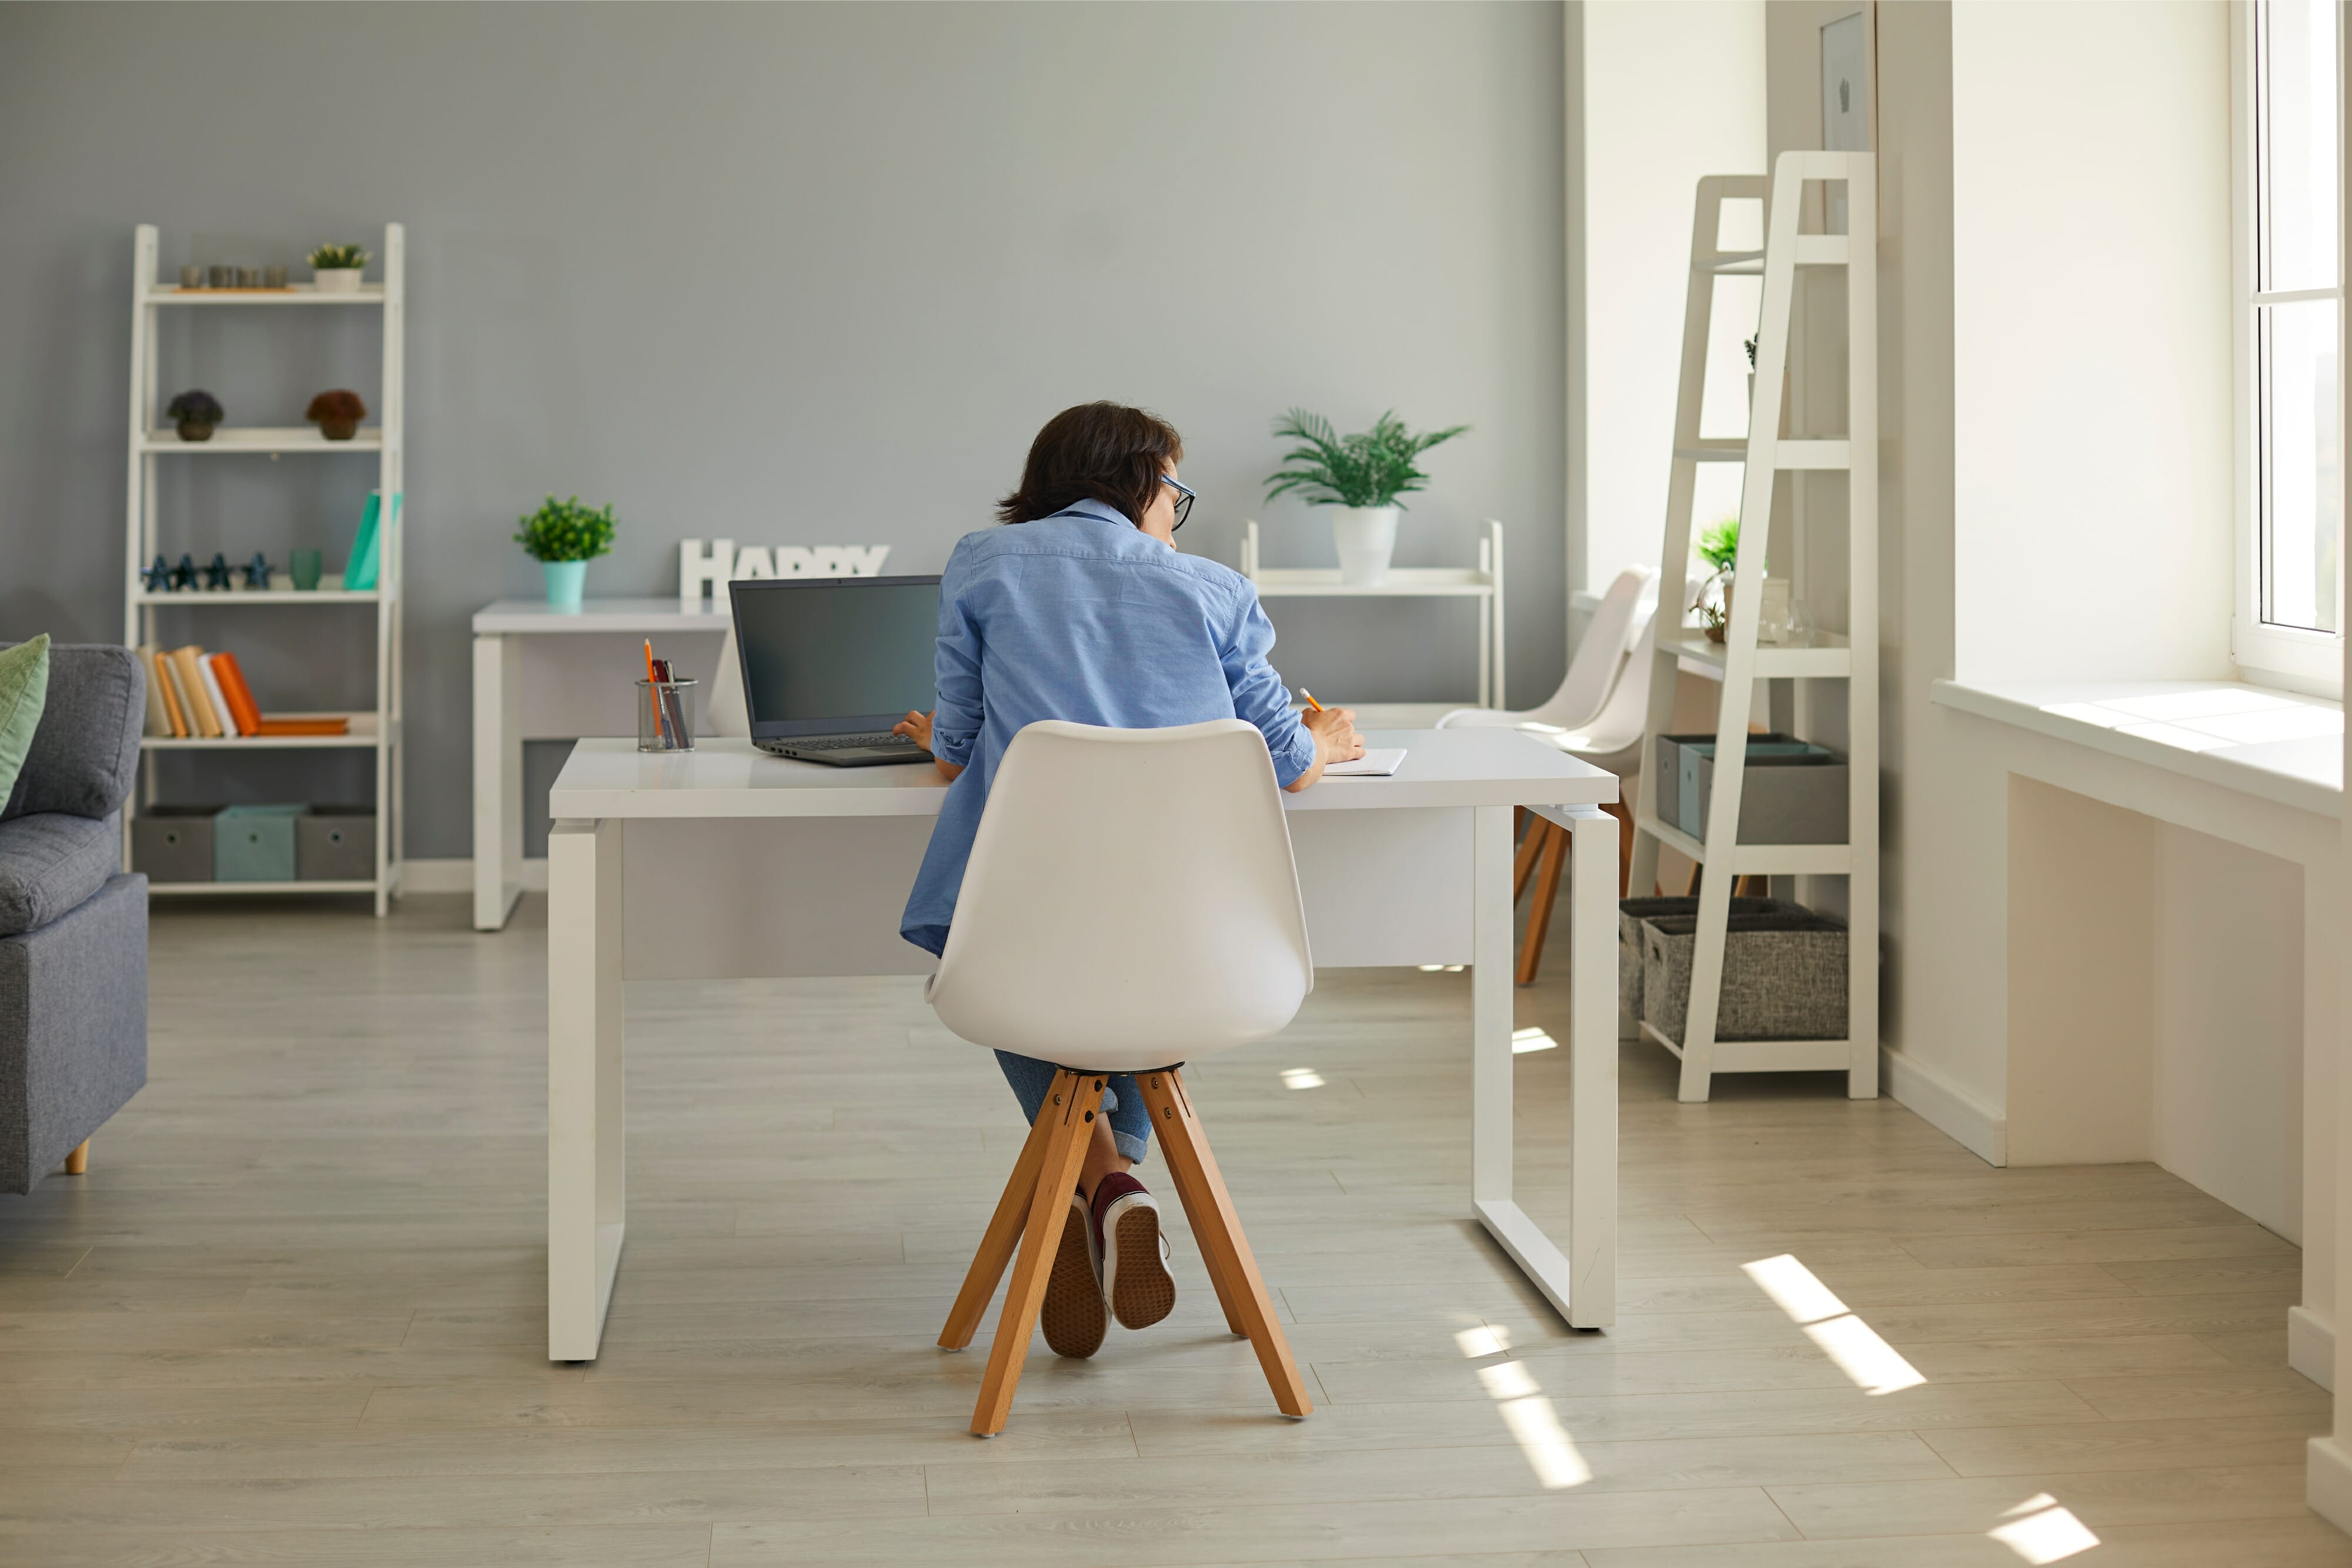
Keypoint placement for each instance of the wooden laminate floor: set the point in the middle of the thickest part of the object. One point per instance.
(294, 1314)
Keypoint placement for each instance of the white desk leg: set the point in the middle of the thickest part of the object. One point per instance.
(1592, 1068)
(586, 1205)
(1585, 1292)
(498, 784)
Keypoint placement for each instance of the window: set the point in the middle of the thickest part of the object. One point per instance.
(2290, 614)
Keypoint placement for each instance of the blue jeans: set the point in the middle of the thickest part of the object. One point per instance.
(1122, 1101)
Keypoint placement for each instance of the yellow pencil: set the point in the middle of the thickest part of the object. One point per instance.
(1311, 699)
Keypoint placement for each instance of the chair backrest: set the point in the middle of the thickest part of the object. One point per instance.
(1131, 901)
(1617, 727)
(1591, 673)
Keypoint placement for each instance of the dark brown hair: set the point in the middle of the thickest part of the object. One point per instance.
(1102, 451)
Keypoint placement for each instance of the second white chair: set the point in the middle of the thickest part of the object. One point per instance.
(1131, 906)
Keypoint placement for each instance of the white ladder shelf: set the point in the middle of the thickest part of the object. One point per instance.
(1740, 662)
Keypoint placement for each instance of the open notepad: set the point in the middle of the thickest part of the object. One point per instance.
(1373, 764)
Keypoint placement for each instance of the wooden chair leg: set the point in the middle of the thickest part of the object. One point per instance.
(1203, 1191)
(1194, 1219)
(1071, 1106)
(996, 1243)
(1531, 844)
(1547, 893)
(78, 1162)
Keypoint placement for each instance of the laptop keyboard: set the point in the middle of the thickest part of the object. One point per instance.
(846, 742)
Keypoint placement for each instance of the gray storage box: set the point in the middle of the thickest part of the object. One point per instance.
(335, 844)
(255, 844)
(1677, 764)
(1783, 800)
(174, 843)
(1783, 976)
(1633, 913)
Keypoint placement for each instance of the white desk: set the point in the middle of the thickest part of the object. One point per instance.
(1412, 869)
(543, 673)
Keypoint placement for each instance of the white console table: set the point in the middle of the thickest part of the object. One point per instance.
(543, 673)
(1483, 582)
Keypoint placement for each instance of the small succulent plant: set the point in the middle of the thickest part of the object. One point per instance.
(566, 530)
(337, 414)
(337, 257)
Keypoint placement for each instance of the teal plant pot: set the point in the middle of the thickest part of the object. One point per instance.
(565, 581)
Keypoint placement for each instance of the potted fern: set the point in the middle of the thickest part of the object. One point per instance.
(338, 267)
(563, 537)
(1719, 547)
(1357, 478)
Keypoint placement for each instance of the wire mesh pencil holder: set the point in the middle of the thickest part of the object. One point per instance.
(666, 715)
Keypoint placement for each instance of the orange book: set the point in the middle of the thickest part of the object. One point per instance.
(201, 717)
(162, 675)
(241, 706)
(303, 725)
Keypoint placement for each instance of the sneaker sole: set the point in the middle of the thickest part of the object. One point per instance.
(1071, 1315)
(1142, 1289)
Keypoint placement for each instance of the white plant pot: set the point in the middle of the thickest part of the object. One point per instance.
(1366, 539)
(339, 279)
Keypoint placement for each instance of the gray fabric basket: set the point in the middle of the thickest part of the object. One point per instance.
(1783, 976)
(1632, 912)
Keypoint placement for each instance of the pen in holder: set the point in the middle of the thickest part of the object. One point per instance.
(666, 715)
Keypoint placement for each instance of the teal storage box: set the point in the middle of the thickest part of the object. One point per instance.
(1682, 801)
(255, 844)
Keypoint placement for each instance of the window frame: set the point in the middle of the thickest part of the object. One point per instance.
(2270, 654)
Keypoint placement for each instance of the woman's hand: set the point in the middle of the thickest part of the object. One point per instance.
(916, 727)
(1335, 740)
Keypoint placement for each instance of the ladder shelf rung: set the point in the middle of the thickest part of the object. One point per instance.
(1826, 657)
(1756, 859)
(1812, 250)
(1787, 454)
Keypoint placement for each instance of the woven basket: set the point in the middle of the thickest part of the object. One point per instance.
(1783, 976)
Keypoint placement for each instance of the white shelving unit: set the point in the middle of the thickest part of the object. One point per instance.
(1738, 661)
(152, 441)
(1483, 582)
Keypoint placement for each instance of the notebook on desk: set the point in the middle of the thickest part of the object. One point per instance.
(1379, 762)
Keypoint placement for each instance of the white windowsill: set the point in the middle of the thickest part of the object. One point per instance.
(2279, 746)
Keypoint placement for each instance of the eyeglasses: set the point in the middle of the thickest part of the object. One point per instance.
(1184, 497)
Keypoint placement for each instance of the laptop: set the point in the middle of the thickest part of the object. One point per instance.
(831, 662)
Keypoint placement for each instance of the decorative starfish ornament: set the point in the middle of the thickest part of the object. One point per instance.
(256, 570)
(216, 574)
(185, 574)
(158, 578)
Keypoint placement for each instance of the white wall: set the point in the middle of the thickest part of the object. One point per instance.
(1670, 93)
(2092, 366)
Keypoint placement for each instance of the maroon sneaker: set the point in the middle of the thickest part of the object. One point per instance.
(1134, 1252)
(1072, 1315)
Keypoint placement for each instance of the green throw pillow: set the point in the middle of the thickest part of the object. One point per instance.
(24, 692)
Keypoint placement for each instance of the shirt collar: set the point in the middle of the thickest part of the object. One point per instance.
(1100, 511)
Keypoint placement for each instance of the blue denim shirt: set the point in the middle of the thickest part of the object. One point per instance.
(1083, 616)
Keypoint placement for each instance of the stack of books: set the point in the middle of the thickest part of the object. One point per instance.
(192, 693)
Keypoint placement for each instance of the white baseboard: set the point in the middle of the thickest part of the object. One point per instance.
(456, 875)
(2328, 1482)
(2311, 1347)
(1943, 1105)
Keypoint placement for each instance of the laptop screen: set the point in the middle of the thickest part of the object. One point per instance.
(834, 655)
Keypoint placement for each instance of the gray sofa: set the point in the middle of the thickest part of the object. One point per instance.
(73, 929)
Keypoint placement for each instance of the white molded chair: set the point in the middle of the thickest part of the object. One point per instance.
(1130, 905)
(1593, 673)
(1613, 740)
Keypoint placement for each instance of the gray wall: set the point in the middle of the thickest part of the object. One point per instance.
(796, 274)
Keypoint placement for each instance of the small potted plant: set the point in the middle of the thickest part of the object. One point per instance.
(1358, 479)
(1719, 547)
(563, 537)
(338, 267)
(336, 414)
(195, 412)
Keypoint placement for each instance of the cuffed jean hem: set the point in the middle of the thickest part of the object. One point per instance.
(1122, 1101)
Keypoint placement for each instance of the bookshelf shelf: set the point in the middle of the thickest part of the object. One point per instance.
(152, 438)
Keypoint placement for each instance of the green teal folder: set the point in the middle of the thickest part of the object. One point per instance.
(367, 546)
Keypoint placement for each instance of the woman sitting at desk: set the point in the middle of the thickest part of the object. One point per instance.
(1088, 612)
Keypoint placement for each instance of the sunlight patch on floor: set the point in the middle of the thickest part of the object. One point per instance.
(2041, 1531)
(1874, 1365)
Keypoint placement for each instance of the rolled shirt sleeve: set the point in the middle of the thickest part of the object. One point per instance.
(955, 674)
(1259, 695)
